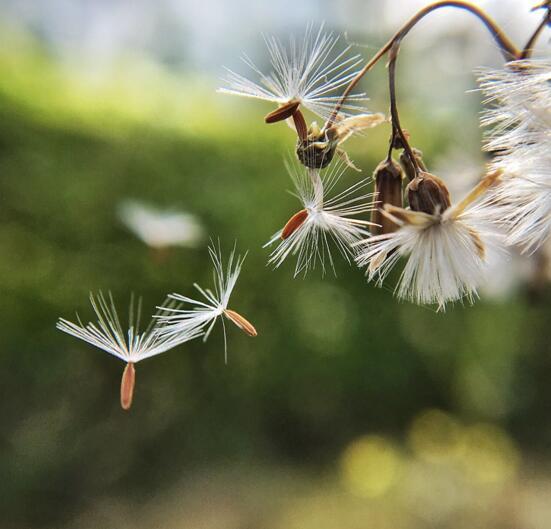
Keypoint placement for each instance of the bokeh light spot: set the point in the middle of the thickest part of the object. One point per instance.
(489, 456)
(370, 466)
(435, 436)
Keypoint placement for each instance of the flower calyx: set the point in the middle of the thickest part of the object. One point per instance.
(428, 193)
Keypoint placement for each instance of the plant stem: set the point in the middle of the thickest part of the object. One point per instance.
(397, 131)
(300, 125)
(508, 49)
(529, 48)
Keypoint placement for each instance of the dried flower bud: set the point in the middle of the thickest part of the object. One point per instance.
(428, 193)
(397, 142)
(409, 169)
(318, 149)
(388, 190)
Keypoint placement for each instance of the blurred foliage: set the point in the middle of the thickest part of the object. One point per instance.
(336, 384)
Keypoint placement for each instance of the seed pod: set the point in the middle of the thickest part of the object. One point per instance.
(388, 190)
(316, 152)
(406, 163)
(397, 142)
(317, 149)
(127, 386)
(429, 194)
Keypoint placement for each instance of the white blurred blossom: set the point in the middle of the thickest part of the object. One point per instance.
(161, 228)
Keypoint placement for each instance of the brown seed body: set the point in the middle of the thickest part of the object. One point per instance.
(127, 386)
(294, 223)
(283, 112)
(244, 324)
(388, 178)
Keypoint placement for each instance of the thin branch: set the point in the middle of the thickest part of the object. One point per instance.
(508, 49)
(529, 48)
(397, 132)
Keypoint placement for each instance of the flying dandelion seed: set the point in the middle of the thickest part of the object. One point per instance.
(176, 321)
(131, 347)
(325, 219)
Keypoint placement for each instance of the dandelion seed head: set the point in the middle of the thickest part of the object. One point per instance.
(519, 96)
(445, 252)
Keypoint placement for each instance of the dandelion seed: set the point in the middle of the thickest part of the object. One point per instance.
(309, 72)
(204, 314)
(445, 249)
(325, 217)
(520, 95)
(131, 347)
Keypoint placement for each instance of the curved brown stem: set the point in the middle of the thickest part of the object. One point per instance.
(529, 48)
(509, 50)
(300, 125)
(397, 132)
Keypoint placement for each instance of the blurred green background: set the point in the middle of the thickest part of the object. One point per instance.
(349, 410)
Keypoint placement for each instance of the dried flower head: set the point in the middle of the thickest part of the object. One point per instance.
(319, 147)
(520, 95)
(445, 250)
(428, 193)
(176, 321)
(131, 346)
(158, 228)
(325, 218)
(388, 177)
(309, 72)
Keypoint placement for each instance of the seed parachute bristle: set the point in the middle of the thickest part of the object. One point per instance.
(310, 71)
